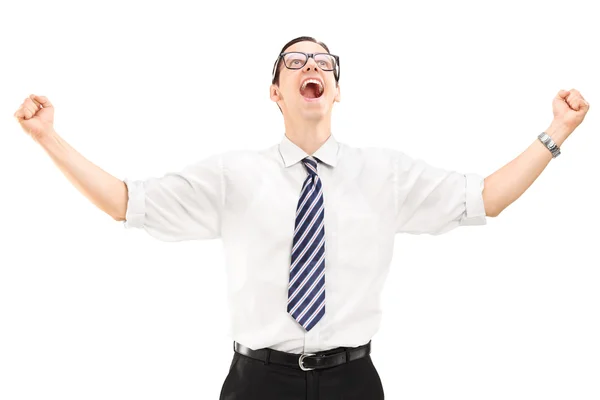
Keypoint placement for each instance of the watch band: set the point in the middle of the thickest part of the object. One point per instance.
(549, 143)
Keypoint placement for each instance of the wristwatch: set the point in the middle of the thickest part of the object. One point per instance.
(549, 143)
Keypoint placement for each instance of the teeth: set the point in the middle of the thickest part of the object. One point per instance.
(306, 82)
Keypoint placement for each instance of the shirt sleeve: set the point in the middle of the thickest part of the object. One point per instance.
(433, 200)
(178, 206)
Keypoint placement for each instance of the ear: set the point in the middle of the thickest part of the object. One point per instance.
(275, 93)
(338, 95)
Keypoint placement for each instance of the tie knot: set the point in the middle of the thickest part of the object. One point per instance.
(311, 165)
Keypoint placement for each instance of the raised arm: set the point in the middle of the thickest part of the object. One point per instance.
(108, 193)
(507, 184)
(181, 205)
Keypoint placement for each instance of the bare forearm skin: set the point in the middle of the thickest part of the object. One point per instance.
(507, 184)
(105, 191)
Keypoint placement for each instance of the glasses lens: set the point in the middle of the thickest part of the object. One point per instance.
(325, 61)
(294, 60)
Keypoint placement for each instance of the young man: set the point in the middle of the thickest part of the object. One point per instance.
(308, 226)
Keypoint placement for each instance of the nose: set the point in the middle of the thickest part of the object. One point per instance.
(311, 63)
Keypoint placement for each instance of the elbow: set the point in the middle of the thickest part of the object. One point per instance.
(118, 215)
(492, 212)
(119, 218)
(490, 203)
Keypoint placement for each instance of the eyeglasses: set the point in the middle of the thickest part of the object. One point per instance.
(297, 60)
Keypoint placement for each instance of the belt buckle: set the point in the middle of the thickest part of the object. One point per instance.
(302, 357)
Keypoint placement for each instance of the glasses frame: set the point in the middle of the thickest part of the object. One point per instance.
(336, 70)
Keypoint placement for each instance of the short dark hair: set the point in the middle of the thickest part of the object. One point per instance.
(277, 66)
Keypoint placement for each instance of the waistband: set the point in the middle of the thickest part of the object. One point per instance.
(306, 361)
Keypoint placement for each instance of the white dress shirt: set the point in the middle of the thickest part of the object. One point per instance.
(249, 199)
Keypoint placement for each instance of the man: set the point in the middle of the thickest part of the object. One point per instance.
(308, 226)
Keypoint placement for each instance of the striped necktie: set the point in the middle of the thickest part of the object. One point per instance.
(306, 289)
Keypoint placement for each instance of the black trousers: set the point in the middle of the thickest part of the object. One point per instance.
(250, 379)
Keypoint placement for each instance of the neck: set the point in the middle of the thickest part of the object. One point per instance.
(308, 135)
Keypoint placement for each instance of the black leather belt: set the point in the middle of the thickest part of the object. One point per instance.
(308, 361)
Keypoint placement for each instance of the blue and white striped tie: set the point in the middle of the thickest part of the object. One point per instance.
(306, 289)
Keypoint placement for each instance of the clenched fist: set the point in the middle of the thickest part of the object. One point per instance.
(36, 116)
(569, 109)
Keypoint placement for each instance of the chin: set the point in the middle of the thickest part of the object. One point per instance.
(313, 115)
(315, 110)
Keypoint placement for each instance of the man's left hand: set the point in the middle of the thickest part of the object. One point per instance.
(569, 108)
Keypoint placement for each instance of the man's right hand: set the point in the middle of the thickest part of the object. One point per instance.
(36, 116)
(108, 193)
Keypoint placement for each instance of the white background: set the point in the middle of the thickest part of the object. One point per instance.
(90, 310)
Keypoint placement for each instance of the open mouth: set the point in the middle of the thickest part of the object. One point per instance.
(311, 89)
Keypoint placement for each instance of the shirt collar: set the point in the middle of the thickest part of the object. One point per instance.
(292, 154)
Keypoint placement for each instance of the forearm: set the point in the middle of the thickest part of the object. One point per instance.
(104, 190)
(507, 184)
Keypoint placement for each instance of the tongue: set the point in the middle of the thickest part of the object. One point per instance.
(310, 91)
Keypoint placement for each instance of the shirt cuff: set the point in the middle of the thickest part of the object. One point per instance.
(475, 209)
(136, 204)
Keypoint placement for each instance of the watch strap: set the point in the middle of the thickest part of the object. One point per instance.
(549, 143)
